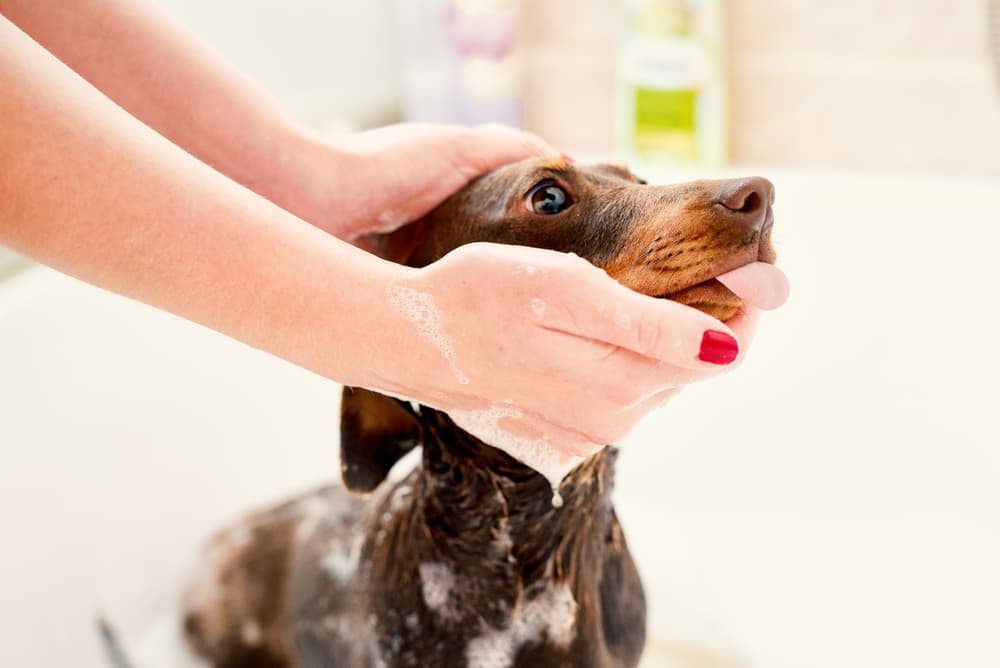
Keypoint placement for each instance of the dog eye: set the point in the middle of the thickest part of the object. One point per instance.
(548, 199)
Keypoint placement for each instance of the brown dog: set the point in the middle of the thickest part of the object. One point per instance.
(466, 562)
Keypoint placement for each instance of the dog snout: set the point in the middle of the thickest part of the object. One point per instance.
(747, 200)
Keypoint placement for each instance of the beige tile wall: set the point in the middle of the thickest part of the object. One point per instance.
(570, 49)
(891, 84)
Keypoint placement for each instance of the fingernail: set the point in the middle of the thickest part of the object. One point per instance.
(568, 158)
(718, 347)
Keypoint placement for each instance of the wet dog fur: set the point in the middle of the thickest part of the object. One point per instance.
(465, 561)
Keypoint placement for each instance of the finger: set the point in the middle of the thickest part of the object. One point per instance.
(494, 145)
(651, 377)
(665, 377)
(658, 400)
(744, 325)
(595, 306)
(635, 414)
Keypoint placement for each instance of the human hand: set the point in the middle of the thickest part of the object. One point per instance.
(378, 180)
(556, 360)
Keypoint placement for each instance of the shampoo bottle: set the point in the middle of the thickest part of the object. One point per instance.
(672, 81)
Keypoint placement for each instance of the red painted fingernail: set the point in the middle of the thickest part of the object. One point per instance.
(718, 347)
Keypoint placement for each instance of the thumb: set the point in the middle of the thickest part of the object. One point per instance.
(494, 145)
(595, 306)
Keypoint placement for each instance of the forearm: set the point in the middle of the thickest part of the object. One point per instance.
(159, 73)
(88, 189)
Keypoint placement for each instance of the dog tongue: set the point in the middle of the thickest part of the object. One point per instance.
(759, 284)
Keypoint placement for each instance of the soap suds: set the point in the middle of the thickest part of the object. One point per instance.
(312, 509)
(419, 308)
(551, 613)
(436, 582)
(536, 453)
(400, 498)
(250, 633)
(361, 638)
(342, 560)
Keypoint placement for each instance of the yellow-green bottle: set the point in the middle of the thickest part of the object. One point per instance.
(672, 81)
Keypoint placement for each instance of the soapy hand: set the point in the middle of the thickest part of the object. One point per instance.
(543, 354)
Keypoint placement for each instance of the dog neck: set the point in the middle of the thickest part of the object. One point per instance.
(478, 503)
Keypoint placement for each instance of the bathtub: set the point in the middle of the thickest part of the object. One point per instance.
(834, 502)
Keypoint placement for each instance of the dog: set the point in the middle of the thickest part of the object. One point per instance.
(466, 562)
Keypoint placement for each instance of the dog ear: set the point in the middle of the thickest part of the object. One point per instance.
(400, 245)
(375, 431)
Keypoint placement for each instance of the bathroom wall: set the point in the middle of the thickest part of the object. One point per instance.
(886, 85)
(327, 61)
(890, 85)
(894, 84)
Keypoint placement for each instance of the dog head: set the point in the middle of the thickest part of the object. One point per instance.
(664, 241)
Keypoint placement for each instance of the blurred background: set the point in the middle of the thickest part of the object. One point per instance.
(834, 502)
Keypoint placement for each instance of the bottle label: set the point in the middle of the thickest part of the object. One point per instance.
(665, 122)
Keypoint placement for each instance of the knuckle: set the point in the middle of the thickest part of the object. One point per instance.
(648, 336)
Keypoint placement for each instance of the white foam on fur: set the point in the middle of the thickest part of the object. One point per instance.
(341, 561)
(436, 583)
(537, 453)
(551, 614)
(419, 308)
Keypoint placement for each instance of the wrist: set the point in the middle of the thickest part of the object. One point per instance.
(303, 175)
(380, 357)
(395, 339)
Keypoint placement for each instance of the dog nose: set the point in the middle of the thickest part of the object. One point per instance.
(748, 200)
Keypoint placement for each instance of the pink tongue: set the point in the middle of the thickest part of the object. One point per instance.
(759, 284)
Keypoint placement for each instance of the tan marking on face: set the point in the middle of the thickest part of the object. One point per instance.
(557, 164)
(677, 248)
